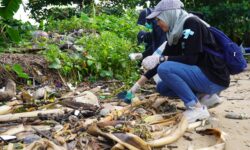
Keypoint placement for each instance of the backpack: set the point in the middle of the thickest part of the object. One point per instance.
(232, 53)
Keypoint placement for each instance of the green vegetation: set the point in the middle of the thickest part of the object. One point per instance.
(231, 16)
(107, 42)
(7, 31)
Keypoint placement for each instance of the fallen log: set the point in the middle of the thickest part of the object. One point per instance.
(17, 116)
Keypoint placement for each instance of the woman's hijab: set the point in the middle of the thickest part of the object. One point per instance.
(175, 19)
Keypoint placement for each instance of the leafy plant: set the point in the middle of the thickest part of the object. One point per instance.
(109, 55)
(107, 42)
(71, 65)
(40, 12)
(6, 13)
(232, 16)
(14, 32)
(9, 8)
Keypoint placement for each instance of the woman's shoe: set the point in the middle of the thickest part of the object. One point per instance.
(196, 113)
(211, 100)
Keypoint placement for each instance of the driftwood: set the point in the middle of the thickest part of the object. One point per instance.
(10, 91)
(159, 102)
(43, 134)
(113, 123)
(240, 116)
(95, 131)
(9, 107)
(220, 140)
(173, 136)
(195, 125)
(79, 105)
(127, 109)
(133, 140)
(21, 128)
(5, 109)
(118, 147)
(17, 116)
(44, 144)
(166, 122)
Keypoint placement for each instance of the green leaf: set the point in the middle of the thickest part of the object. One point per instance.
(9, 9)
(19, 71)
(14, 34)
(17, 68)
(23, 75)
(84, 17)
(90, 62)
(56, 64)
(105, 73)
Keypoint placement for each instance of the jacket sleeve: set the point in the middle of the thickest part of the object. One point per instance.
(150, 73)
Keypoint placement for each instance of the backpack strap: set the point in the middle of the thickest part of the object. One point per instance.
(214, 31)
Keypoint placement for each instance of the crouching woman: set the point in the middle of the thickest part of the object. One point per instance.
(194, 70)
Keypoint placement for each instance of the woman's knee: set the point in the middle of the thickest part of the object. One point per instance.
(164, 90)
(164, 68)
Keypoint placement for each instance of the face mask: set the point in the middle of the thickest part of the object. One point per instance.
(149, 26)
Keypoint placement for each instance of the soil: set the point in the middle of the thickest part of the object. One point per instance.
(34, 65)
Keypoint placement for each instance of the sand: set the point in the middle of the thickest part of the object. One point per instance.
(235, 99)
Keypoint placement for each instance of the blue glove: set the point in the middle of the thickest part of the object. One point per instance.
(126, 96)
(149, 26)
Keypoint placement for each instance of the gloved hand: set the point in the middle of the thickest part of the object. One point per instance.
(150, 62)
(135, 87)
(135, 56)
(126, 96)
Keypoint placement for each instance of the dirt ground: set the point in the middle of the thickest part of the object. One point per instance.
(34, 65)
(235, 99)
